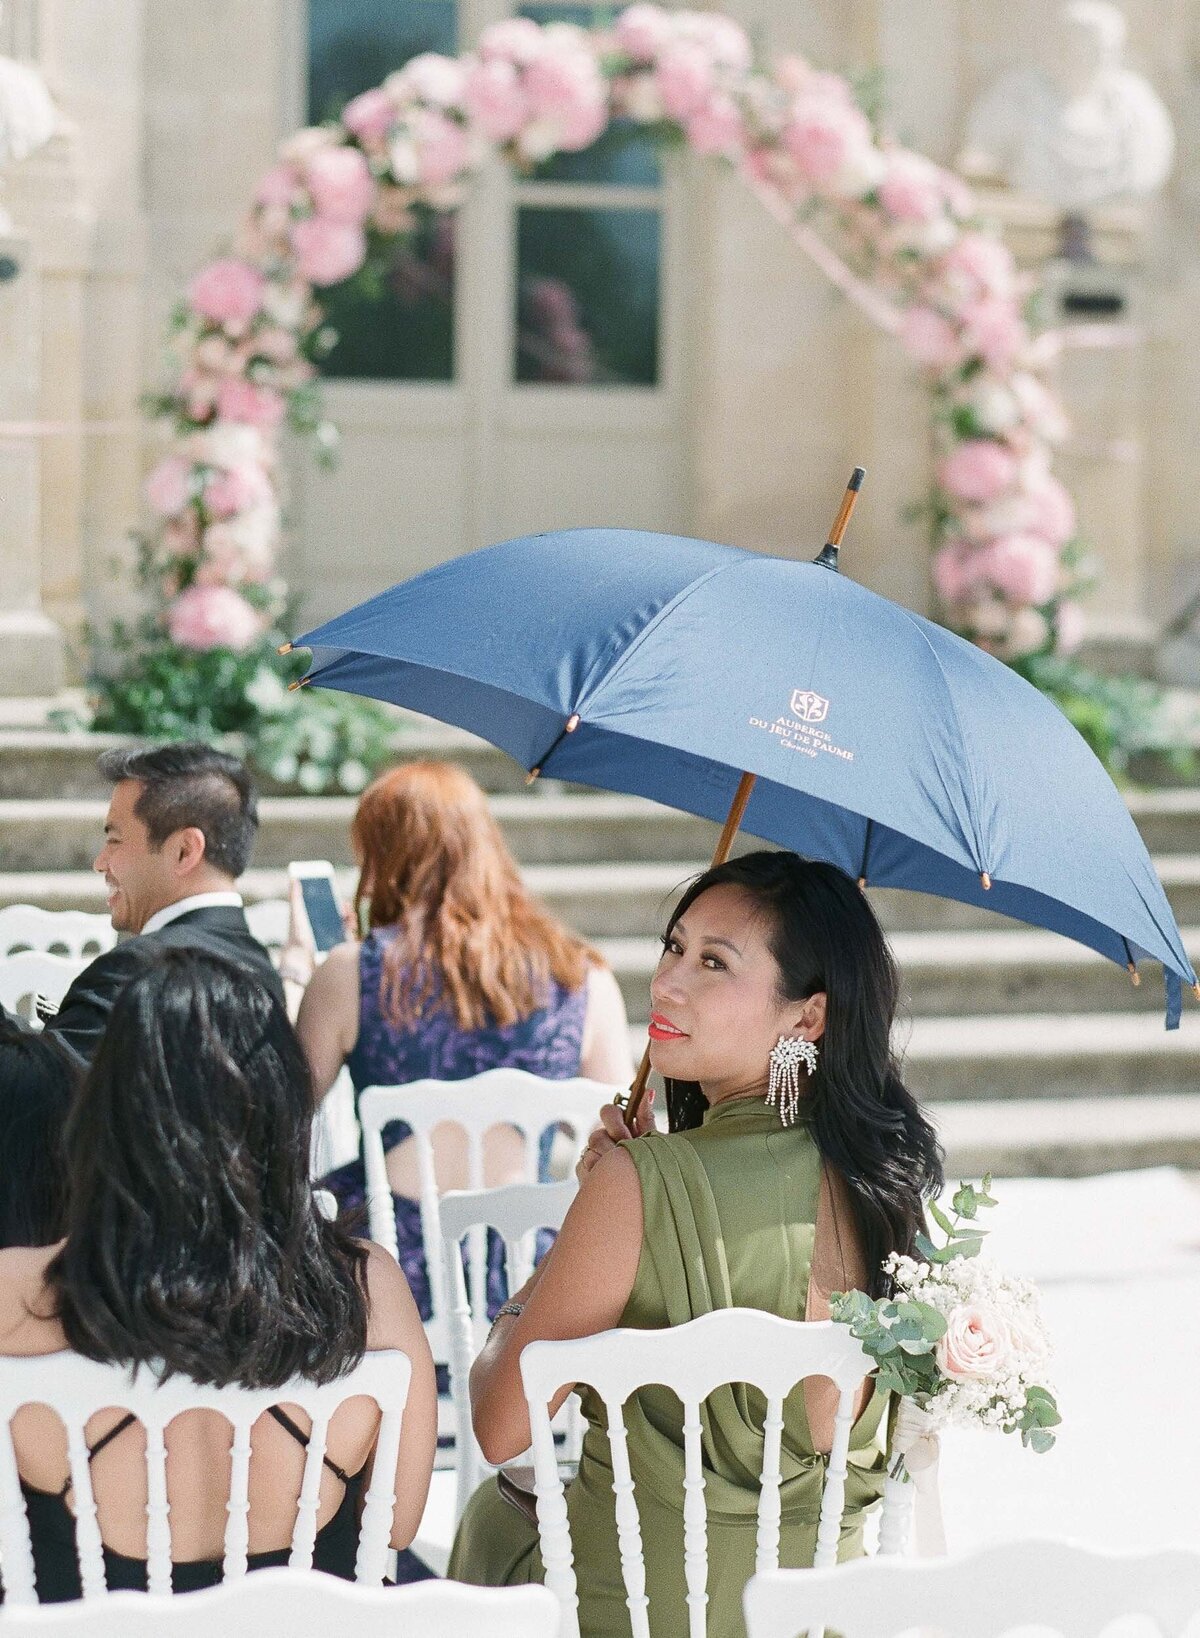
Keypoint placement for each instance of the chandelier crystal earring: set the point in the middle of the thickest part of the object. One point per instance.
(783, 1089)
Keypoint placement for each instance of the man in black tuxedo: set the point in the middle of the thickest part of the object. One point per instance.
(177, 836)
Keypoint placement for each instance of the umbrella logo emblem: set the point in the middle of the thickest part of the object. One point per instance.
(809, 707)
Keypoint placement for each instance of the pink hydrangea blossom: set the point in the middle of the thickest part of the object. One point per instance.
(1051, 510)
(717, 127)
(227, 291)
(493, 98)
(821, 135)
(1024, 569)
(370, 116)
(517, 39)
(240, 400)
(642, 31)
(431, 78)
(1042, 411)
(979, 265)
(206, 617)
(327, 252)
(169, 486)
(341, 185)
(1070, 627)
(911, 190)
(724, 41)
(566, 86)
(684, 78)
(978, 470)
(237, 489)
(930, 338)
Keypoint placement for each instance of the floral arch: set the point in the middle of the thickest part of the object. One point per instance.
(896, 233)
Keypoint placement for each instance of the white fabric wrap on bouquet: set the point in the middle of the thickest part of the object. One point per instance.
(915, 1437)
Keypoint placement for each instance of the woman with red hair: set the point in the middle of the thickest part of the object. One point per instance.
(461, 970)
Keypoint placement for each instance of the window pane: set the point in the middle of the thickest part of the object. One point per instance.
(395, 317)
(587, 296)
(624, 154)
(354, 44)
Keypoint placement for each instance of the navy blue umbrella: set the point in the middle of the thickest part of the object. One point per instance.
(669, 668)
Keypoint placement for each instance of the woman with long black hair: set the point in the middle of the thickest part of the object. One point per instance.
(795, 1162)
(193, 1241)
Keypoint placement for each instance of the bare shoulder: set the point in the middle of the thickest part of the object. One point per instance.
(609, 1202)
(339, 968)
(27, 1323)
(393, 1319)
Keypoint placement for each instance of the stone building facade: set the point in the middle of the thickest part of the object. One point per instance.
(766, 386)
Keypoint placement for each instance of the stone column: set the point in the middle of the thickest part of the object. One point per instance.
(30, 642)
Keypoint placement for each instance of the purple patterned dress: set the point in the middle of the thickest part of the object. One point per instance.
(547, 1043)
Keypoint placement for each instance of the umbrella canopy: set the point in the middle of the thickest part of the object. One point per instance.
(665, 667)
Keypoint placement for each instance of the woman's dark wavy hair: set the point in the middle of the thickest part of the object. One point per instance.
(866, 1124)
(192, 1236)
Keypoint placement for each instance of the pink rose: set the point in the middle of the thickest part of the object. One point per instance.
(244, 547)
(227, 291)
(205, 617)
(341, 184)
(169, 486)
(240, 400)
(493, 98)
(429, 150)
(327, 252)
(955, 572)
(1052, 511)
(684, 78)
(980, 265)
(726, 42)
(279, 187)
(931, 339)
(566, 86)
(237, 489)
(976, 1344)
(978, 470)
(822, 134)
(800, 79)
(1042, 411)
(995, 330)
(370, 116)
(517, 39)
(1070, 627)
(429, 78)
(911, 190)
(717, 127)
(1023, 569)
(642, 31)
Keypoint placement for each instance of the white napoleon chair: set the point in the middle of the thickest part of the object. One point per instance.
(32, 973)
(300, 1604)
(498, 1097)
(1072, 1590)
(76, 933)
(516, 1213)
(76, 1388)
(731, 1345)
(269, 921)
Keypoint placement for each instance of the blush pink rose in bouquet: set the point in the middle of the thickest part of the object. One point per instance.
(518, 39)
(327, 252)
(494, 99)
(227, 292)
(912, 189)
(240, 400)
(206, 617)
(341, 184)
(979, 470)
(370, 116)
(237, 489)
(642, 31)
(429, 78)
(823, 134)
(684, 78)
(717, 127)
(976, 1343)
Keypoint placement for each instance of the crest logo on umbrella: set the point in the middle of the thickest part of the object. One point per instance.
(809, 707)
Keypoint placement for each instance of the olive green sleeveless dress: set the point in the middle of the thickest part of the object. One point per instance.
(730, 1214)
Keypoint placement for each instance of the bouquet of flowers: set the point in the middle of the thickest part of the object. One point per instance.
(959, 1337)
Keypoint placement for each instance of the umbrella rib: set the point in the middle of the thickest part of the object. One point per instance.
(867, 837)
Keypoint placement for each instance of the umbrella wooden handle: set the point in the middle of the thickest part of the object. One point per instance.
(732, 822)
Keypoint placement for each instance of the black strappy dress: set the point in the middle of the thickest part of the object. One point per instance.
(56, 1566)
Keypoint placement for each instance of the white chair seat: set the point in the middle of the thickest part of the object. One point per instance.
(1076, 1591)
(300, 1604)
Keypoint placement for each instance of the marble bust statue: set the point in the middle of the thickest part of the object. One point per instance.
(1076, 128)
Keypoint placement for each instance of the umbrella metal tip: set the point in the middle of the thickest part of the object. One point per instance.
(987, 882)
(299, 683)
(284, 648)
(856, 478)
(532, 775)
(1134, 975)
(1196, 991)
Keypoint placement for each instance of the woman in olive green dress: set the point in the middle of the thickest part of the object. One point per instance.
(734, 1207)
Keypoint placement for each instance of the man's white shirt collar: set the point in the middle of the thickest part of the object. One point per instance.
(181, 907)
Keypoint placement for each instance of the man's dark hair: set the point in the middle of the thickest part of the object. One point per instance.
(191, 784)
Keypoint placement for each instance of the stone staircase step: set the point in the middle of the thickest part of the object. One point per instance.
(1070, 1138)
(958, 973)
